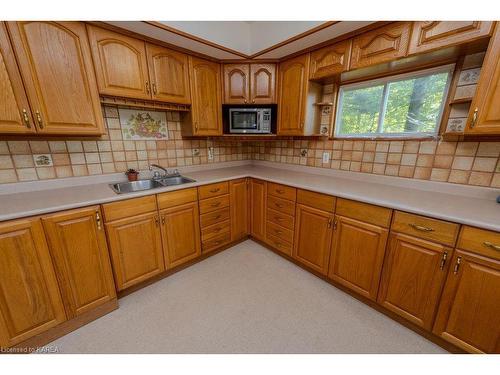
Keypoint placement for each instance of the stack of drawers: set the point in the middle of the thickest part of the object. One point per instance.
(280, 216)
(214, 216)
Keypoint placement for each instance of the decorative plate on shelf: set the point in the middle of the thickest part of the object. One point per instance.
(143, 125)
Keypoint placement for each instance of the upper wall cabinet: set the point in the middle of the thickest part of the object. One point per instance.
(380, 45)
(120, 64)
(206, 110)
(15, 112)
(293, 82)
(169, 73)
(56, 66)
(485, 111)
(330, 60)
(249, 83)
(431, 35)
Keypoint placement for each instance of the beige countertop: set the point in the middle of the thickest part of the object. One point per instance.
(460, 204)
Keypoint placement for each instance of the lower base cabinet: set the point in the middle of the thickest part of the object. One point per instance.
(257, 197)
(238, 196)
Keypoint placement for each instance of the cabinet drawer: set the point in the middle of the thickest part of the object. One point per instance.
(316, 200)
(480, 241)
(282, 191)
(279, 244)
(213, 190)
(424, 227)
(214, 217)
(176, 198)
(365, 212)
(215, 230)
(130, 207)
(279, 231)
(281, 205)
(280, 218)
(213, 204)
(216, 242)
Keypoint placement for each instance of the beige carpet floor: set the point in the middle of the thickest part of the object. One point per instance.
(243, 300)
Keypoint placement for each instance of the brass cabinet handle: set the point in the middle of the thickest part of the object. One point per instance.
(196, 126)
(330, 223)
(98, 220)
(245, 101)
(277, 218)
(26, 118)
(154, 88)
(217, 217)
(253, 101)
(474, 118)
(491, 245)
(457, 265)
(147, 87)
(277, 231)
(443, 260)
(279, 191)
(39, 119)
(217, 230)
(215, 204)
(421, 228)
(163, 220)
(157, 221)
(278, 205)
(215, 190)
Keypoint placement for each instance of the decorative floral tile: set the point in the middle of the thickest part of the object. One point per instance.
(143, 125)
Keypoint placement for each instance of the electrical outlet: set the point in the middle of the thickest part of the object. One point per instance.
(326, 157)
(210, 153)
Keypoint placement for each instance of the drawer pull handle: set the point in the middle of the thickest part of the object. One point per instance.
(215, 190)
(491, 245)
(421, 228)
(443, 260)
(278, 218)
(279, 191)
(457, 265)
(98, 220)
(277, 231)
(217, 230)
(215, 204)
(39, 119)
(217, 217)
(278, 205)
(26, 118)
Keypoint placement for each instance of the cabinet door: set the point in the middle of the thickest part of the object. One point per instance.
(383, 44)
(263, 83)
(55, 62)
(15, 112)
(293, 84)
(258, 209)
(30, 302)
(206, 97)
(169, 71)
(136, 251)
(78, 247)
(357, 255)
(469, 313)
(120, 63)
(238, 195)
(331, 60)
(485, 111)
(431, 35)
(313, 236)
(180, 228)
(412, 278)
(236, 83)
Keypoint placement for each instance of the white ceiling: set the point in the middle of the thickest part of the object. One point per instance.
(241, 39)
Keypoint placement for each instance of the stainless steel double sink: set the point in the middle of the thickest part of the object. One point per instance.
(141, 185)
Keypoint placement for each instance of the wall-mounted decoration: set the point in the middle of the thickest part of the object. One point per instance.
(42, 160)
(143, 125)
(456, 125)
(469, 76)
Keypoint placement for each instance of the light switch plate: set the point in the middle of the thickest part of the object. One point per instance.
(210, 153)
(326, 157)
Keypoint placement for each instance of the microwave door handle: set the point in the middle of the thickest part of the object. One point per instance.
(257, 125)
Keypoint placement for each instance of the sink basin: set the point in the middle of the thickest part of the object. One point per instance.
(141, 185)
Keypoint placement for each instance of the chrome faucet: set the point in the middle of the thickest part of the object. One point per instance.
(156, 174)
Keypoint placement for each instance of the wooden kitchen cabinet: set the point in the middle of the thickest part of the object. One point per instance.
(258, 208)
(30, 301)
(169, 74)
(484, 116)
(206, 108)
(120, 64)
(249, 83)
(430, 35)
(56, 65)
(78, 247)
(239, 204)
(380, 45)
(413, 275)
(236, 83)
(330, 60)
(180, 229)
(15, 111)
(262, 83)
(293, 86)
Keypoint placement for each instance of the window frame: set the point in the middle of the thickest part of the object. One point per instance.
(449, 68)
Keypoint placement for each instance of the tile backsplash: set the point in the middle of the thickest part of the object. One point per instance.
(472, 163)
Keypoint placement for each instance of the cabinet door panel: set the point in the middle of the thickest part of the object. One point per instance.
(236, 83)
(469, 313)
(120, 64)
(169, 71)
(30, 302)
(136, 250)
(330, 60)
(78, 246)
(263, 83)
(293, 82)
(206, 97)
(258, 209)
(181, 234)
(357, 255)
(412, 278)
(15, 112)
(313, 236)
(55, 61)
(239, 208)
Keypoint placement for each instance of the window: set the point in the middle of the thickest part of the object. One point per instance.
(406, 105)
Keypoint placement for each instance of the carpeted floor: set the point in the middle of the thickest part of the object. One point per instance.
(243, 300)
